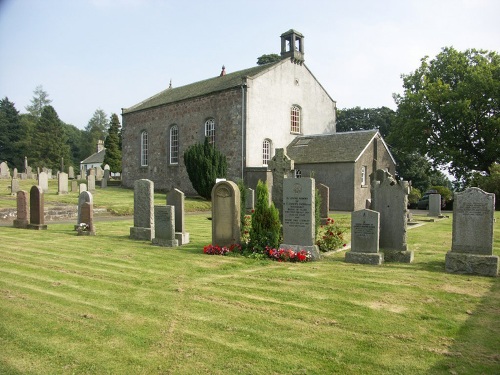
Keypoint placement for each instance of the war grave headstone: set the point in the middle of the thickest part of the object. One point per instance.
(324, 210)
(176, 198)
(165, 226)
(62, 183)
(143, 228)
(83, 197)
(86, 227)
(74, 186)
(225, 214)
(4, 170)
(37, 219)
(82, 188)
(250, 200)
(472, 235)
(299, 216)
(22, 210)
(390, 199)
(91, 181)
(43, 181)
(71, 173)
(14, 186)
(15, 173)
(434, 205)
(365, 231)
(281, 167)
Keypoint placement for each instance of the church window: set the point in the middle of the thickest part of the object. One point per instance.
(174, 145)
(363, 175)
(295, 119)
(210, 130)
(297, 173)
(144, 149)
(266, 152)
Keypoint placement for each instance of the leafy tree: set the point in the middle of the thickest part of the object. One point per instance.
(490, 183)
(38, 102)
(357, 118)
(75, 139)
(10, 133)
(95, 131)
(204, 163)
(113, 155)
(450, 111)
(269, 58)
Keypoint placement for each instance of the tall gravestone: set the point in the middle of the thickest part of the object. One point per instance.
(15, 174)
(62, 183)
(22, 210)
(472, 237)
(84, 197)
(434, 205)
(281, 167)
(143, 228)
(14, 186)
(71, 173)
(43, 181)
(91, 180)
(365, 231)
(74, 186)
(390, 199)
(299, 222)
(87, 218)
(176, 199)
(4, 170)
(37, 219)
(324, 210)
(165, 226)
(226, 222)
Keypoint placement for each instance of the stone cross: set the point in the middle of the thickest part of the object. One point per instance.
(281, 167)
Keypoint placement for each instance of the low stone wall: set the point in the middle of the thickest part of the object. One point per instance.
(55, 213)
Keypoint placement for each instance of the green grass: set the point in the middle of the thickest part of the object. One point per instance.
(109, 305)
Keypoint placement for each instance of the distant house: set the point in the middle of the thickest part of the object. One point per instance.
(343, 162)
(95, 160)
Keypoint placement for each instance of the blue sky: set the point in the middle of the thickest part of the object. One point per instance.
(110, 54)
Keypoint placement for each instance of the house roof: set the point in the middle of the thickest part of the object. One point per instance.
(331, 148)
(220, 83)
(98, 157)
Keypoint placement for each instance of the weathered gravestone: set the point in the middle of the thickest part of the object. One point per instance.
(176, 199)
(43, 181)
(281, 167)
(104, 183)
(71, 173)
(299, 222)
(84, 197)
(37, 219)
(365, 231)
(22, 210)
(74, 186)
(91, 181)
(15, 174)
(324, 209)
(434, 205)
(472, 237)
(82, 188)
(143, 228)
(165, 226)
(106, 172)
(225, 214)
(4, 170)
(99, 173)
(250, 200)
(14, 186)
(86, 227)
(390, 199)
(62, 183)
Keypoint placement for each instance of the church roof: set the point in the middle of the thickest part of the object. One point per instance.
(98, 157)
(331, 148)
(208, 86)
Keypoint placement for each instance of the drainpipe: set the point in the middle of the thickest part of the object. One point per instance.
(243, 127)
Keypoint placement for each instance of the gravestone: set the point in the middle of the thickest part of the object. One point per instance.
(15, 174)
(91, 181)
(365, 231)
(22, 210)
(225, 214)
(299, 222)
(434, 205)
(390, 199)
(281, 167)
(176, 198)
(71, 173)
(106, 168)
(74, 186)
(14, 186)
(165, 226)
(86, 227)
(37, 219)
(84, 197)
(104, 183)
(99, 173)
(472, 236)
(43, 181)
(82, 188)
(62, 183)
(250, 200)
(324, 210)
(4, 170)
(143, 228)
(106, 173)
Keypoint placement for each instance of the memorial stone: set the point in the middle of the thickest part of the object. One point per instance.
(104, 183)
(250, 200)
(22, 210)
(143, 228)
(4, 170)
(84, 197)
(226, 221)
(176, 199)
(281, 167)
(164, 219)
(14, 186)
(74, 186)
(99, 173)
(434, 205)
(37, 219)
(43, 181)
(91, 182)
(365, 230)
(106, 173)
(86, 218)
(62, 183)
(15, 173)
(82, 188)
(71, 173)
(324, 210)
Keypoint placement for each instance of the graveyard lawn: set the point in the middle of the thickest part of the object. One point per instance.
(110, 305)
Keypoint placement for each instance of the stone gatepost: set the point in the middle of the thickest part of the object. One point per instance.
(226, 221)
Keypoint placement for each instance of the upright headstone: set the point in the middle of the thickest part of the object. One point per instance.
(434, 205)
(165, 226)
(176, 199)
(26, 165)
(15, 174)
(84, 197)
(91, 181)
(74, 186)
(390, 198)
(82, 188)
(71, 173)
(14, 186)
(226, 222)
(299, 222)
(22, 210)
(250, 200)
(62, 183)
(281, 167)
(43, 181)
(86, 227)
(37, 219)
(143, 228)
(365, 230)
(324, 209)
(472, 236)
(4, 170)
(104, 183)
(99, 173)
(106, 173)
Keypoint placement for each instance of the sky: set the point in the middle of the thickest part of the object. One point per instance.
(112, 54)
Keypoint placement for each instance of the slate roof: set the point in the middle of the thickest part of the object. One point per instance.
(98, 157)
(331, 148)
(216, 84)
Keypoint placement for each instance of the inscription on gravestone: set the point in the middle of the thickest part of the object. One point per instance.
(365, 229)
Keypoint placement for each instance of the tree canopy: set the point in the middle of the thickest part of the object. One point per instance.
(269, 58)
(357, 118)
(38, 102)
(113, 155)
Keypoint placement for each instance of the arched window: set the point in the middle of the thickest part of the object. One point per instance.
(295, 119)
(174, 144)
(266, 152)
(210, 130)
(144, 149)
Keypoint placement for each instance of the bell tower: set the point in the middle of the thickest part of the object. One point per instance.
(292, 46)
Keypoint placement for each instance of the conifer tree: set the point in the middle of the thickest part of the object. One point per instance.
(113, 155)
(10, 133)
(39, 101)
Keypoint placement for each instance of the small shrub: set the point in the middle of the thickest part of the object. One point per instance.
(331, 236)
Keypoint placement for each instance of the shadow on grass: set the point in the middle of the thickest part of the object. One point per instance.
(476, 348)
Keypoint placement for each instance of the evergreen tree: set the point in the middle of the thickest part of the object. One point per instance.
(94, 131)
(75, 138)
(10, 133)
(38, 102)
(113, 155)
(204, 163)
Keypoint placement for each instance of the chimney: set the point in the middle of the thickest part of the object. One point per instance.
(223, 72)
(100, 145)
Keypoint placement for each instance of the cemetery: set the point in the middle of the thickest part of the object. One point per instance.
(127, 274)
